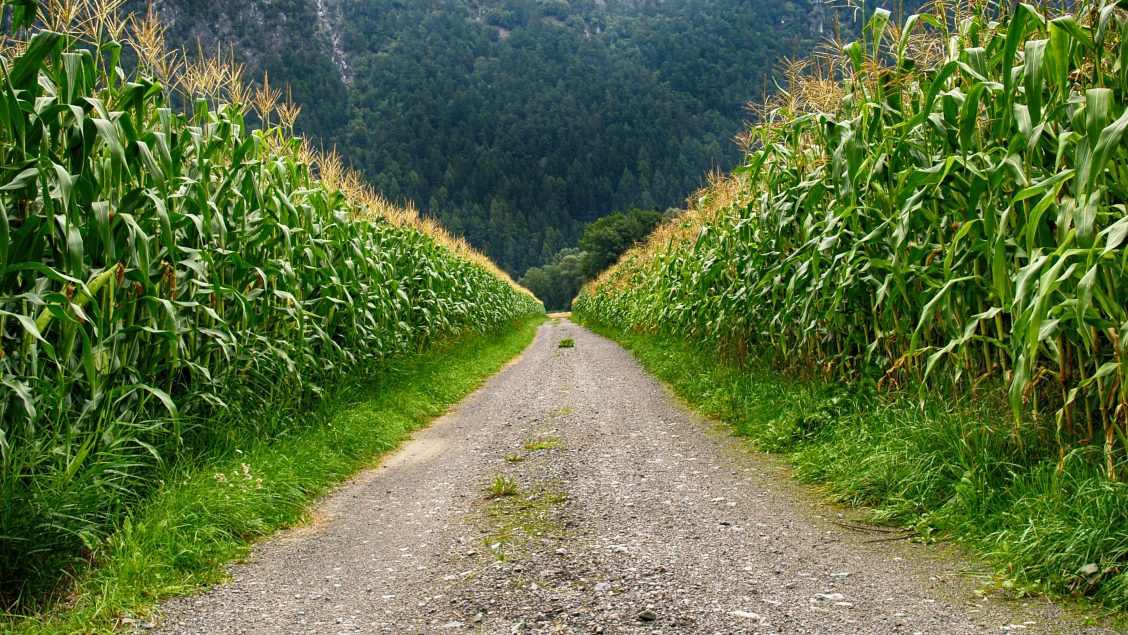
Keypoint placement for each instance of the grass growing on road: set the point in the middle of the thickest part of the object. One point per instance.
(180, 540)
(502, 486)
(544, 443)
(516, 521)
(945, 468)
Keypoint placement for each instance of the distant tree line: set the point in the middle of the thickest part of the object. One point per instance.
(557, 281)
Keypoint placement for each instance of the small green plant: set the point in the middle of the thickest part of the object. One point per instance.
(561, 412)
(544, 443)
(502, 486)
(517, 523)
(567, 342)
(516, 457)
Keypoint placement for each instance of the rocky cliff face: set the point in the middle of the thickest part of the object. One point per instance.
(298, 42)
(329, 19)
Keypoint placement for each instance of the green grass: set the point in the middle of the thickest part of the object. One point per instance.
(502, 486)
(950, 468)
(179, 540)
(516, 522)
(544, 443)
(567, 342)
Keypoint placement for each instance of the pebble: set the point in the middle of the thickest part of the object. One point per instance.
(748, 615)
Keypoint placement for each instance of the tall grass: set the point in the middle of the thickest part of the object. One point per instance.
(940, 205)
(168, 278)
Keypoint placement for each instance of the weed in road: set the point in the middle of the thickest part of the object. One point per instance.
(561, 412)
(516, 457)
(516, 521)
(502, 486)
(567, 342)
(544, 443)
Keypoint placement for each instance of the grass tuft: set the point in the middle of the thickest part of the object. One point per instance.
(567, 342)
(515, 523)
(544, 443)
(502, 486)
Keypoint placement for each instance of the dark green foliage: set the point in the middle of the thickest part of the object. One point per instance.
(286, 38)
(611, 236)
(23, 13)
(556, 282)
(560, 279)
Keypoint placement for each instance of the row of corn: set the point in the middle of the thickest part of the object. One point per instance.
(939, 204)
(167, 269)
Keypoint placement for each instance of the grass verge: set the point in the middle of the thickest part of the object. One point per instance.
(949, 467)
(179, 540)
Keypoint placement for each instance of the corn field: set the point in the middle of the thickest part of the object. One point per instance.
(940, 204)
(163, 266)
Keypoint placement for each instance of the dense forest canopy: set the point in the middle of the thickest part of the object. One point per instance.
(518, 122)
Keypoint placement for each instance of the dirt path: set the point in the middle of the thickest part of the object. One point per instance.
(632, 516)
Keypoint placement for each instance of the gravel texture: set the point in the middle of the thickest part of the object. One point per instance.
(632, 515)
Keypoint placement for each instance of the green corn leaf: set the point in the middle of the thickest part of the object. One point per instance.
(26, 68)
(24, 179)
(109, 135)
(1034, 65)
(23, 393)
(876, 27)
(5, 238)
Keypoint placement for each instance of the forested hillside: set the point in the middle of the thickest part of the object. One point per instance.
(516, 122)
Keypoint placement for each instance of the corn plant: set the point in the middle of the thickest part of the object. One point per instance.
(166, 275)
(941, 204)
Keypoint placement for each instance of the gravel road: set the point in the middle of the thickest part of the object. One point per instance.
(632, 515)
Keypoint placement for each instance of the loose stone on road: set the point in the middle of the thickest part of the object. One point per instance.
(631, 515)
